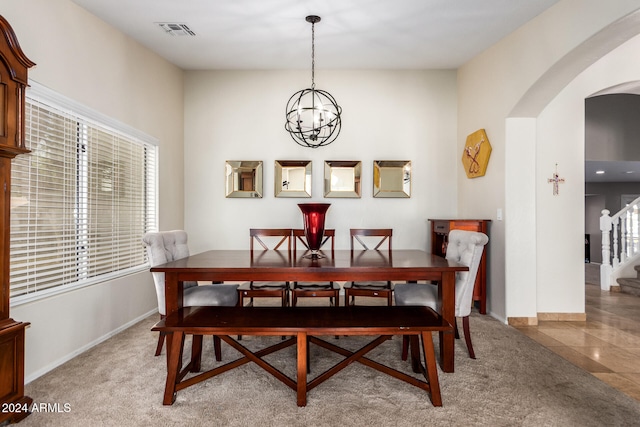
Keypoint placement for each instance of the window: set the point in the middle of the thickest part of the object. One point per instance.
(81, 200)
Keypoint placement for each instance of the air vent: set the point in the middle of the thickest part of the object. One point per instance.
(175, 29)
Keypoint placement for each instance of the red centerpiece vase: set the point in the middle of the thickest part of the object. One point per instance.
(313, 216)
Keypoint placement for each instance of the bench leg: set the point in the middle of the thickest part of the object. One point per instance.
(302, 369)
(175, 343)
(432, 369)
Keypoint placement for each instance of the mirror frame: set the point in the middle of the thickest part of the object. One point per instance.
(400, 170)
(281, 167)
(233, 169)
(330, 166)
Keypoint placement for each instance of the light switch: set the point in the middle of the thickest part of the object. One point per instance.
(499, 214)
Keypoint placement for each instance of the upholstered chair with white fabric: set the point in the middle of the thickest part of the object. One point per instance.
(167, 246)
(464, 247)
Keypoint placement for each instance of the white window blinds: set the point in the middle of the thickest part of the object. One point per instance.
(81, 200)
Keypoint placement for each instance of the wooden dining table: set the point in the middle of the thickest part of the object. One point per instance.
(339, 265)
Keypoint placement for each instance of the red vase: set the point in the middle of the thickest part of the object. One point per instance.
(313, 215)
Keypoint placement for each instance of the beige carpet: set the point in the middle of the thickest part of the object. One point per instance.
(514, 382)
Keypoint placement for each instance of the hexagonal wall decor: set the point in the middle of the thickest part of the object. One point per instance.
(475, 156)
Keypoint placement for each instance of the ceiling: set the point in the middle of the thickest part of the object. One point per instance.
(613, 171)
(353, 34)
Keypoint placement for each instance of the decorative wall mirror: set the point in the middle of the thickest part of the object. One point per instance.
(243, 179)
(292, 178)
(342, 178)
(391, 178)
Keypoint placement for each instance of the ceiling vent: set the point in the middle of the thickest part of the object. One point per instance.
(175, 29)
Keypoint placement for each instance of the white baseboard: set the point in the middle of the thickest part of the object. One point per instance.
(86, 347)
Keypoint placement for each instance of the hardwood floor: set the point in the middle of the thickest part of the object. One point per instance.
(607, 345)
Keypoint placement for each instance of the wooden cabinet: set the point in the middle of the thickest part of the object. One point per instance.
(13, 83)
(439, 234)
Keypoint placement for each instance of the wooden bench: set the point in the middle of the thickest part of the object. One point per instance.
(303, 325)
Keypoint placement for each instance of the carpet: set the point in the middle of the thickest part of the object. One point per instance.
(513, 382)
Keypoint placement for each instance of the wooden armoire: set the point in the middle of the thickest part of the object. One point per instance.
(13, 84)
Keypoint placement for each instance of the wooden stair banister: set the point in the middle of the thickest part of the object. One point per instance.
(620, 242)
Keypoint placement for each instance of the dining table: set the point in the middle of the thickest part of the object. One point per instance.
(339, 265)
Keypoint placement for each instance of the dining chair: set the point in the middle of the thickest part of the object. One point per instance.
(465, 247)
(268, 239)
(370, 239)
(313, 289)
(167, 246)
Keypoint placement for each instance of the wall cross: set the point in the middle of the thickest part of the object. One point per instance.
(556, 180)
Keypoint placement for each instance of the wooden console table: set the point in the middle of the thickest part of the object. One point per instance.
(304, 325)
(439, 237)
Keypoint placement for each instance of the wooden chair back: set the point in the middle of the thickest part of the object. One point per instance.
(298, 236)
(271, 238)
(379, 235)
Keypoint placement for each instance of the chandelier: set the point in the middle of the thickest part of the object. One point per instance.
(313, 115)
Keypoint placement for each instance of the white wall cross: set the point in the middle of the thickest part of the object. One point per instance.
(556, 180)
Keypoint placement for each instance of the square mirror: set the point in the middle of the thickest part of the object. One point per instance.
(342, 178)
(243, 179)
(292, 178)
(391, 178)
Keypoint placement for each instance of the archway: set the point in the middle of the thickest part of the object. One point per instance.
(532, 130)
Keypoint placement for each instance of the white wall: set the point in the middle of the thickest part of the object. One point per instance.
(561, 137)
(82, 58)
(560, 218)
(387, 115)
(513, 80)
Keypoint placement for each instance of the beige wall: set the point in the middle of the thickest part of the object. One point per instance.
(504, 91)
(91, 63)
(388, 115)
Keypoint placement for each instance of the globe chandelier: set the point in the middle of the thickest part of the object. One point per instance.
(313, 115)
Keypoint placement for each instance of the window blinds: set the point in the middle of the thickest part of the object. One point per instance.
(81, 202)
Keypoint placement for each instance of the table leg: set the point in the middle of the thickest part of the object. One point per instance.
(196, 353)
(302, 369)
(415, 354)
(173, 293)
(447, 296)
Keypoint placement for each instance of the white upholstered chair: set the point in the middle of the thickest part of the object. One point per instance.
(465, 247)
(167, 246)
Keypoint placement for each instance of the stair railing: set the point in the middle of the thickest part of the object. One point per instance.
(620, 242)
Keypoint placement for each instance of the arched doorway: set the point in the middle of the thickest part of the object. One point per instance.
(612, 162)
(547, 125)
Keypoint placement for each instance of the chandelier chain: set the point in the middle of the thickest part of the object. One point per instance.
(313, 54)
